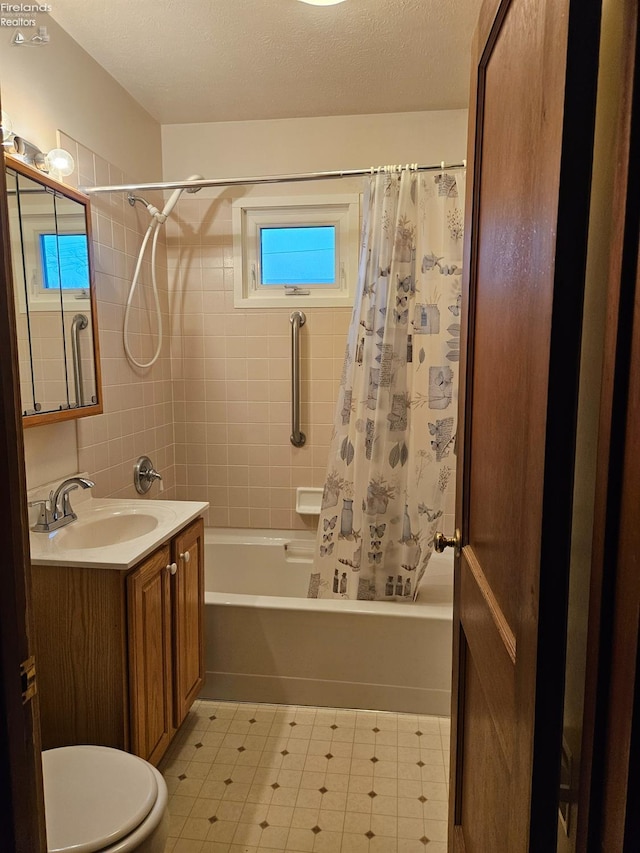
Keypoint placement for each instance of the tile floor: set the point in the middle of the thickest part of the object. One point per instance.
(256, 778)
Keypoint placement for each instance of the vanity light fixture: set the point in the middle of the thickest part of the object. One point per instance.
(322, 2)
(58, 162)
(6, 126)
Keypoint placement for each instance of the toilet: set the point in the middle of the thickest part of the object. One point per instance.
(103, 800)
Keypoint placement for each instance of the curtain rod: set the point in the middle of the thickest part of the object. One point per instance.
(268, 179)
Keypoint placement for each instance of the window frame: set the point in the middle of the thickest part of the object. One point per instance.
(250, 215)
(39, 297)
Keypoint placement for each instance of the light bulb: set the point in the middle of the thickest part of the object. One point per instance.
(6, 124)
(60, 162)
(322, 2)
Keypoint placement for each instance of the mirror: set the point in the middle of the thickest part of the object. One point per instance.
(50, 232)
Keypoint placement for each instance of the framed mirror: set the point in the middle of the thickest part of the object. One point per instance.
(55, 304)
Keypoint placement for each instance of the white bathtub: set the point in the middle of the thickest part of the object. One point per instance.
(266, 642)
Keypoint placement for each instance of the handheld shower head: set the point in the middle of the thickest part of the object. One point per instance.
(173, 198)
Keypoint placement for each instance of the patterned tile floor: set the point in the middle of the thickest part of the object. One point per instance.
(256, 778)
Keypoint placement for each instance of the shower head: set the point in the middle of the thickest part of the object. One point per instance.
(173, 198)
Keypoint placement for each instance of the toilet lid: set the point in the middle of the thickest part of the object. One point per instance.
(94, 796)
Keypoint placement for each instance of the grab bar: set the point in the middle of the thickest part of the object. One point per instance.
(297, 437)
(79, 323)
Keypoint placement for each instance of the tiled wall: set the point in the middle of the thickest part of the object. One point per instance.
(214, 412)
(232, 385)
(47, 362)
(138, 404)
(232, 366)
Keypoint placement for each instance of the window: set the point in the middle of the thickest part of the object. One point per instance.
(51, 263)
(64, 260)
(298, 256)
(298, 252)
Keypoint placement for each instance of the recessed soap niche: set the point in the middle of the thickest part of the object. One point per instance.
(308, 500)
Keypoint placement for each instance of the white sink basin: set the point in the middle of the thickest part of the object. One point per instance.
(113, 534)
(106, 530)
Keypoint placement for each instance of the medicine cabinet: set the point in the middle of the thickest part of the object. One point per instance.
(55, 303)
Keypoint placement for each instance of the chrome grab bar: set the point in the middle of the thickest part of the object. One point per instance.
(297, 437)
(79, 323)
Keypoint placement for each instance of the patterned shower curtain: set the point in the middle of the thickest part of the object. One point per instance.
(391, 459)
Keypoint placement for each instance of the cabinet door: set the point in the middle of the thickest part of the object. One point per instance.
(150, 676)
(80, 628)
(188, 602)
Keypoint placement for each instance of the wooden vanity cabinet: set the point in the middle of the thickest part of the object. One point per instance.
(120, 657)
(188, 619)
(151, 656)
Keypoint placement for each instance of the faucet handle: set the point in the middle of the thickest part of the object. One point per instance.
(44, 502)
(144, 475)
(44, 519)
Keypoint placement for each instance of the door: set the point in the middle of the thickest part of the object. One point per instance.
(150, 676)
(188, 601)
(609, 793)
(22, 826)
(531, 129)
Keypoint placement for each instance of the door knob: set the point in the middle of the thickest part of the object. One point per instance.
(172, 568)
(440, 542)
(186, 556)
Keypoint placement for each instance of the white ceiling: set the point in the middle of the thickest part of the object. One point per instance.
(232, 60)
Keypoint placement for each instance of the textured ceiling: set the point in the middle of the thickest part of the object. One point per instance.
(230, 60)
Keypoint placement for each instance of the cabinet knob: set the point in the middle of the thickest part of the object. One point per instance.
(172, 568)
(186, 556)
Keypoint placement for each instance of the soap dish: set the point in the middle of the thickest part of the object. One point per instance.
(308, 500)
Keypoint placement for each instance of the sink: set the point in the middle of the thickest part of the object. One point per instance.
(105, 531)
(112, 533)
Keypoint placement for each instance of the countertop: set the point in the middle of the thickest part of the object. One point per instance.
(100, 520)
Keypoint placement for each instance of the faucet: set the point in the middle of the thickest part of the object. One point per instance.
(57, 512)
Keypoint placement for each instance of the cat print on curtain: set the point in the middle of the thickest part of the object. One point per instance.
(391, 458)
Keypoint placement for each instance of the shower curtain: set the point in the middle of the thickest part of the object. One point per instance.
(391, 458)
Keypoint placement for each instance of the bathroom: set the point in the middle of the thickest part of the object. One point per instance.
(213, 413)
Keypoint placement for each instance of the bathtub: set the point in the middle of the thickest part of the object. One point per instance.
(266, 642)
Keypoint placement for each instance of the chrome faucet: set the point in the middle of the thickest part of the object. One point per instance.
(57, 511)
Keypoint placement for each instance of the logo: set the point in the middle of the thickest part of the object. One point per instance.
(25, 27)
(41, 37)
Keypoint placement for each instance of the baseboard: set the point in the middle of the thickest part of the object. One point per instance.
(238, 687)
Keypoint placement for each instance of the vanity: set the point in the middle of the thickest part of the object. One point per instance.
(118, 613)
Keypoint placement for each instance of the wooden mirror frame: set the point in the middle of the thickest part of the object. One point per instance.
(37, 419)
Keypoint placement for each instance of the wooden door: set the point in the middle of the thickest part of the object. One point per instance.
(22, 826)
(531, 128)
(150, 671)
(609, 801)
(188, 601)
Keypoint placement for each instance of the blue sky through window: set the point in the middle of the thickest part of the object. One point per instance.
(304, 255)
(64, 256)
